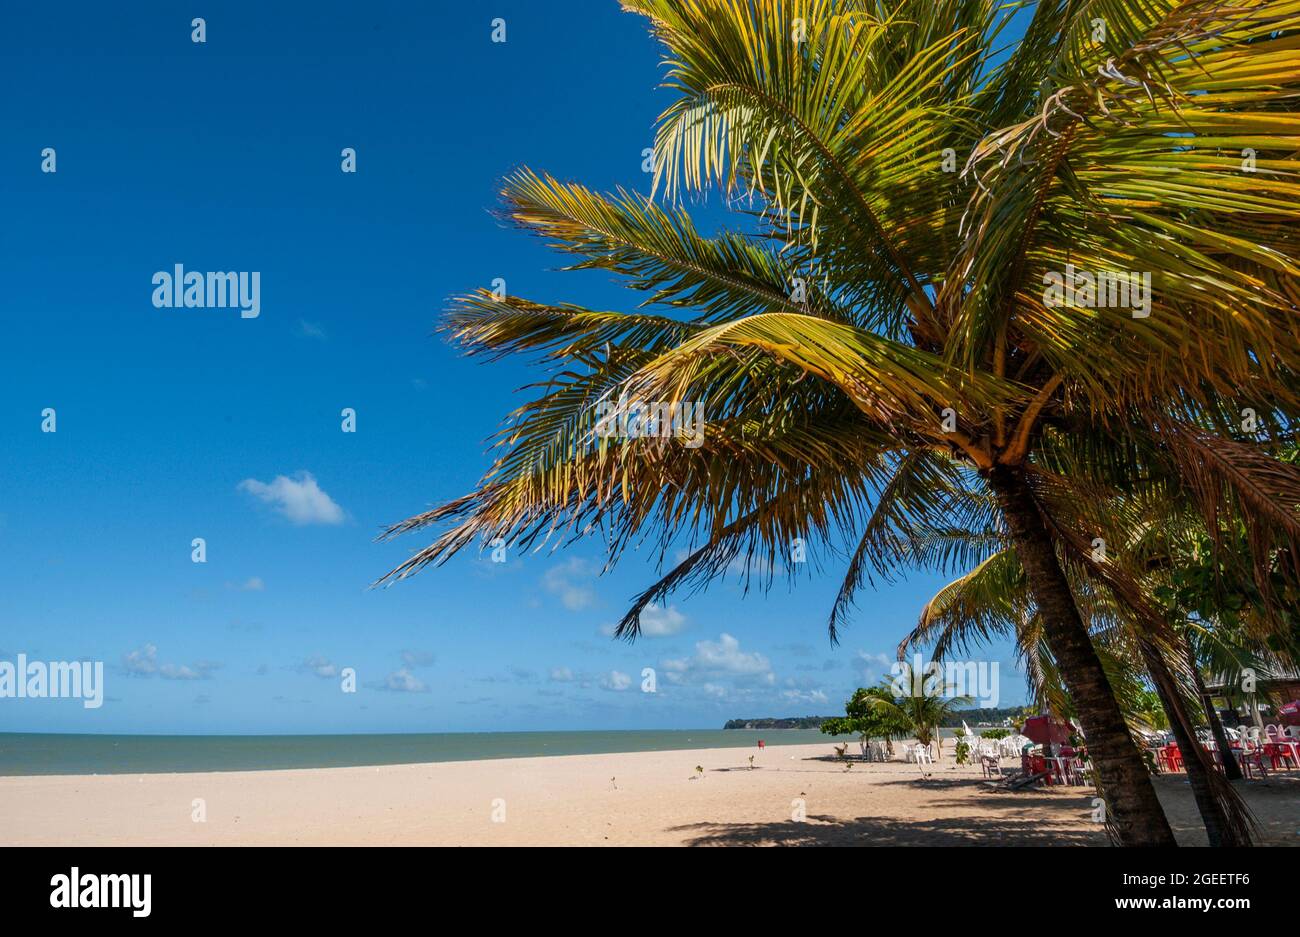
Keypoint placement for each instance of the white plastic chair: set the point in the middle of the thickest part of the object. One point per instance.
(991, 766)
(921, 754)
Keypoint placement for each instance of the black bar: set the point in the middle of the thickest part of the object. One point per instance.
(374, 885)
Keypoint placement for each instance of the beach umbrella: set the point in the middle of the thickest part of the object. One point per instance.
(1289, 713)
(1042, 730)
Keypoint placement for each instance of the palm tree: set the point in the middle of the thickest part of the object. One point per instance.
(1226, 622)
(920, 714)
(993, 598)
(1150, 712)
(874, 316)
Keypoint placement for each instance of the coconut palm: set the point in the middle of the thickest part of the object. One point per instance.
(919, 714)
(1150, 712)
(1203, 589)
(873, 316)
(993, 598)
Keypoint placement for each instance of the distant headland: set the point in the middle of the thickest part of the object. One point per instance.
(798, 722)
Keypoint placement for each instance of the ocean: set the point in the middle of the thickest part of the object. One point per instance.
(30, 754)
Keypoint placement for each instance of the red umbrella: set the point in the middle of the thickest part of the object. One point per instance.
(1044, 729)
(1289, 713)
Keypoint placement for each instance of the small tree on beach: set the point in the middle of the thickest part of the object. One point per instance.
(864, 720)
(962, 754)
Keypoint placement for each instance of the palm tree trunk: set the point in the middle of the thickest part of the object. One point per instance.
(1131, 799)
(1231, 770)
(1218, 829)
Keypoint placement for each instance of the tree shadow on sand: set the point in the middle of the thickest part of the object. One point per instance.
(1275, 802)
(1030, 817)
(1019, 818)
(888, 831)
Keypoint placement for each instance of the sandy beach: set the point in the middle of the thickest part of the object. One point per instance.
(640, 798)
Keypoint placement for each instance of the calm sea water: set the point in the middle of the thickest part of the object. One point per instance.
(24, 754)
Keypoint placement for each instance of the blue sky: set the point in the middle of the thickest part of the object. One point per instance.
(175, 423)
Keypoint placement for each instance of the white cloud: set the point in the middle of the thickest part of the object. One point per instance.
(805, 696)
(416, 658)
(561, 675)
(180, 672)
(403, 681)
(320, 666)
(615, 680)
(299, 499)
(722, 657)
(872, 666)
(143, 662)
(572, 582)
(251, 584)
(658, 622)
(725, 655)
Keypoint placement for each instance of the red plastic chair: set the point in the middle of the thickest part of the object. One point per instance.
(1279, 754)
(1251, 761)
